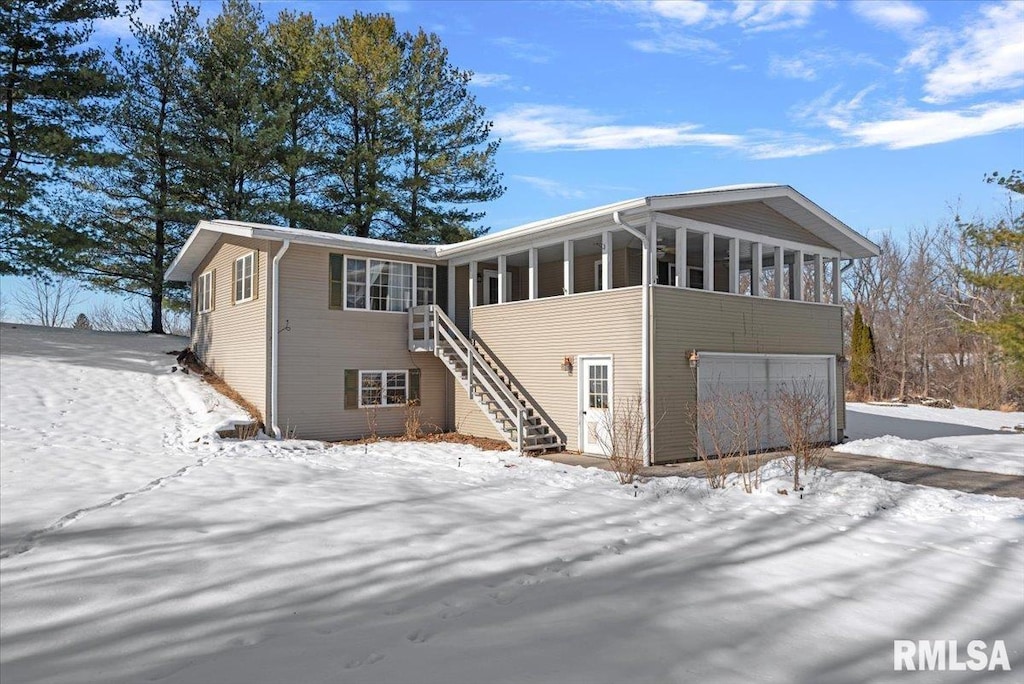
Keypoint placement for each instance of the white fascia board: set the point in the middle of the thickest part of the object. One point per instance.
(347, 243)
(522, 237)
(727, 195)
(202, 239)
(848, 232)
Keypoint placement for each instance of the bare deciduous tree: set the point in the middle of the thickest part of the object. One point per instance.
(802, 410)
(48, 301)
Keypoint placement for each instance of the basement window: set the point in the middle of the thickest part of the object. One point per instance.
(383, 388)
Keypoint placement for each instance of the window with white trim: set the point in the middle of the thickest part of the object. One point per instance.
(381, 285)
(383, 388)
(244, 268)
(204, 292)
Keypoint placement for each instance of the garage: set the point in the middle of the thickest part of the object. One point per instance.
(758, 379)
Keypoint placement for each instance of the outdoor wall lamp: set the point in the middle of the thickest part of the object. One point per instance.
(694, 358)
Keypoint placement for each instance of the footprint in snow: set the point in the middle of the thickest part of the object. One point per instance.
(420, 636)
(503, 598)
(368, 660)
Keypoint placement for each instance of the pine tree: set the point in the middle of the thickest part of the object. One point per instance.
(139, 218)
(296, 55)
(233, 124)
(82, 323)
(447, 161)
(51, 87)
(1006, 326)
(365, 61)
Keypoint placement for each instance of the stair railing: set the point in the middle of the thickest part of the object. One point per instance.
(442, 328)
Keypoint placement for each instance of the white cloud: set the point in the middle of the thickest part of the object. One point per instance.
(120, 27)
(541, 128)
(791, 67)
(890, 14)
(673, 43)
(827, 111)
(490, 80)
(687, 11)
(551, 188)
(990, 57)
(772, 15)
(528, 52)
(750, 15)
(915, 128)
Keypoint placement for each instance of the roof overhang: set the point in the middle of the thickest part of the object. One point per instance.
(781, 198)
(206, 234)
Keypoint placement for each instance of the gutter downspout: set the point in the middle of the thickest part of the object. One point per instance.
(275, 343)
(645, 334)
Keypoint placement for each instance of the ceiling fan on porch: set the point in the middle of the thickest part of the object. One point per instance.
(665, 252)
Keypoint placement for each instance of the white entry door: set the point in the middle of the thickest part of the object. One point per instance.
(490, 287)
(595, 405)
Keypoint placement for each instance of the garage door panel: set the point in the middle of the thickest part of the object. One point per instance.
(764, 377)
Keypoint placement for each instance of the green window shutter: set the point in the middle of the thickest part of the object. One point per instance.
(336, 278)
(351, 388)
(414, 384)
(255, 274)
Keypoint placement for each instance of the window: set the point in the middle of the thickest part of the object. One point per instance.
(379, 285)
(244, 268)
(598, 379)
(204, 292)
(383, 388)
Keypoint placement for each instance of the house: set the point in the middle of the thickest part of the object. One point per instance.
(538, 334)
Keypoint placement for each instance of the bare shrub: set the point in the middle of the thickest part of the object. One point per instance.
(730, 430)
(247, 430)
(413, 420)
(370, 409)
(48, 300)
(802, 411)
(621, 435)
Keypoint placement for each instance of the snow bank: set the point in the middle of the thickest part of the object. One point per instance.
(969, 439)
(267, 561)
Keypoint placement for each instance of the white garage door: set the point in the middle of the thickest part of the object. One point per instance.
(759, 378)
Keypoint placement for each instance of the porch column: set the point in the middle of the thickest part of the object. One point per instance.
(709, 261)
(734, 265)
(472, 292)
(796, 272)
(567, 267)
(502, 275)
(837, 280)
(606, 260)
(819, 278)
(681, 274)
(451, 291)
(755, 268)
(780, 271)
(650, 269)
(533, 273)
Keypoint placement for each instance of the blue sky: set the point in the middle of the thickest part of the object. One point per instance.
(885, 113)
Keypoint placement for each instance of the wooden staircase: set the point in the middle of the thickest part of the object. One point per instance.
(502, 401)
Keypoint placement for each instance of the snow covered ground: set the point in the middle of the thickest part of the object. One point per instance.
(130, 553)
(952, 438)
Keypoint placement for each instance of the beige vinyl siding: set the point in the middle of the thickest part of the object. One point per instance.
(531, 339)
(232, 339)
(755, 217)
(319, 343)
(684, 320)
